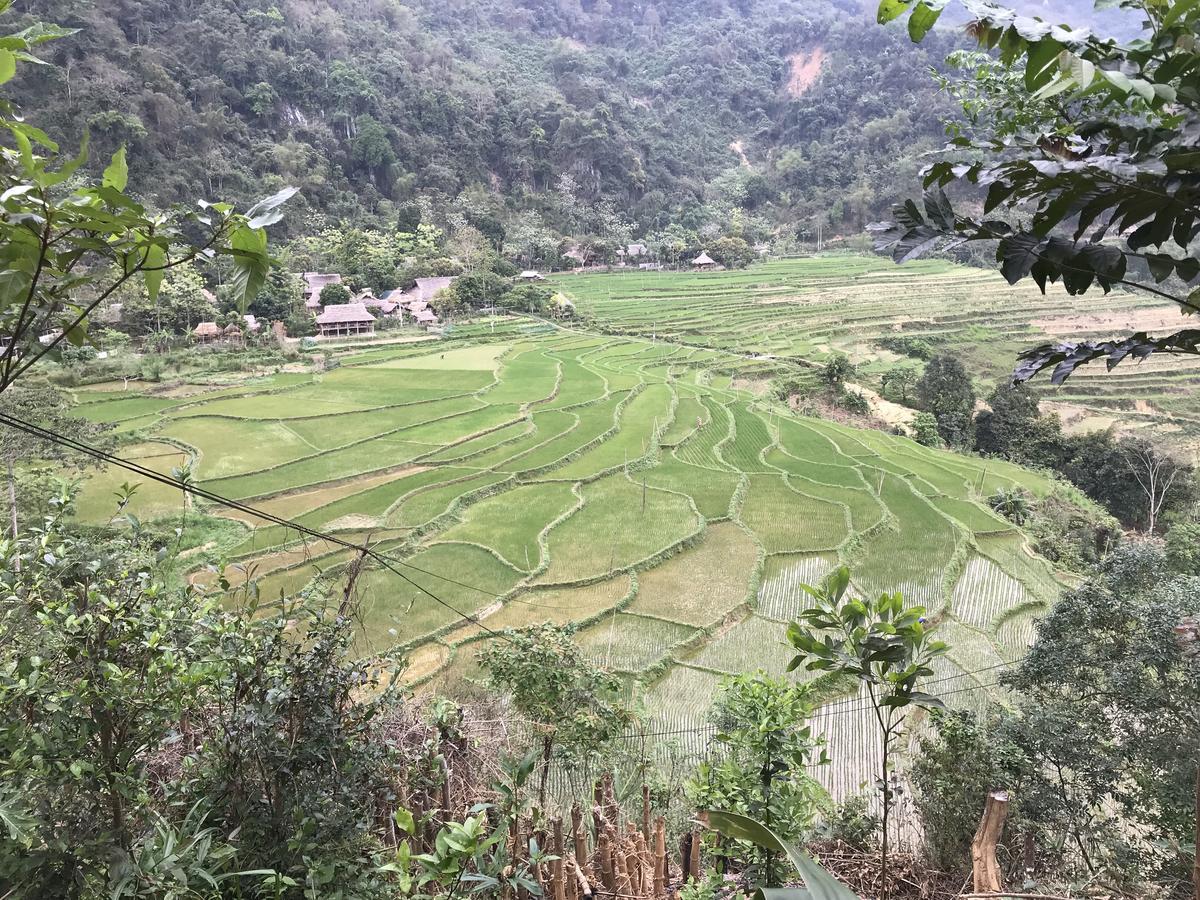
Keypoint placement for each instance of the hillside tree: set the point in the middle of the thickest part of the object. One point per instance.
(575, 707)
(946, 392)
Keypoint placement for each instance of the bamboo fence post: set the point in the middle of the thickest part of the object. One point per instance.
(660, 857)
(694, 855)
(1196, 839)
(985, 867)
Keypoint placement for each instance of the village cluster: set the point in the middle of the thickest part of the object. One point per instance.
(409, 306)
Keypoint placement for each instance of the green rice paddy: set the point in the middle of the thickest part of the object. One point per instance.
(638, 489)
(809, 308)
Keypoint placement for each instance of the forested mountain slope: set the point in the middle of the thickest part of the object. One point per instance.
(673, 111)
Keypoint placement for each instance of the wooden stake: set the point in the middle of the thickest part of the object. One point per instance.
(611, 810)
(984, 865)
(694, 856)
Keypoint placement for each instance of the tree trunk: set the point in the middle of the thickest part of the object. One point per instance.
(984, 865)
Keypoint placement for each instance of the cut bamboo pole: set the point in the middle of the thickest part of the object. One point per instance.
(694, 856)
(606, 862)
(581, 850)
(581, 881)
(646, 866)
(660, 857)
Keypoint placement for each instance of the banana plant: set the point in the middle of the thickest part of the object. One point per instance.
(819, 884)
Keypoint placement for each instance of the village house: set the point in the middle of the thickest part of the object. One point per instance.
(531, 275)
(704, 262)
(425, 317)
(414, 302)
(633, 253)
(345, 320)
(233, 335)
(206, 333)
(313, 283)
(387, 307)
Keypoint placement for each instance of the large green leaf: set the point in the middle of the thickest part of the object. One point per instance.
(155, 258)
(891, 9)
(116, 175)
(8, 65)
(248, 248)
(924, 17)
(820, 884)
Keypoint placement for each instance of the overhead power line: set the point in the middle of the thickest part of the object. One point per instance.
(104, 456)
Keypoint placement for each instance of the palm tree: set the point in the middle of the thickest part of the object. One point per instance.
(1012, 504)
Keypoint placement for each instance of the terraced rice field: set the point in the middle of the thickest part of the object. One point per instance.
(806, 309)
(616, 483)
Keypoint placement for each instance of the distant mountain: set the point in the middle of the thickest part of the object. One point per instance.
(693, 112)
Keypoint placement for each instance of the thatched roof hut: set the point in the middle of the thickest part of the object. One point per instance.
(342, 319)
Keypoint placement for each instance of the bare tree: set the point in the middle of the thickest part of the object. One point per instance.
(1156, 474)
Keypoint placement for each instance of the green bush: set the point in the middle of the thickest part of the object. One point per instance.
(1183, 548)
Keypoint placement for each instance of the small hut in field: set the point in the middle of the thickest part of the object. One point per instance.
(206, 332)
(704, 263)
(345, 320)
(233, 335)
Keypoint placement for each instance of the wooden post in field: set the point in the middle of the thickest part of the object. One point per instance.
(984, 864)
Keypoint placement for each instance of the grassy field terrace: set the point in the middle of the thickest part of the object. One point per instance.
(629, 486)
(805, 309)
